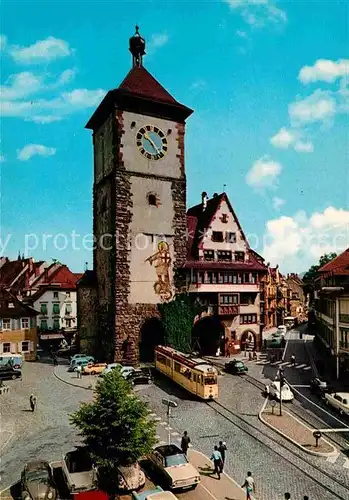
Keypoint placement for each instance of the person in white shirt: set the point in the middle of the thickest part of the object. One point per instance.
(79, 371)
(249, 485)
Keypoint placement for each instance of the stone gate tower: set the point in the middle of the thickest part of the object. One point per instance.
(139, 207)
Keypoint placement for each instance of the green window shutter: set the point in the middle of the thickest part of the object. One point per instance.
(43, 309)
(55, 308)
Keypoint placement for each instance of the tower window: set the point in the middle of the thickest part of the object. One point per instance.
(152, 200)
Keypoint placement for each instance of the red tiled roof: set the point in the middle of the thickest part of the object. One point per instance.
(139, 81)
(19, 309)
(338, 266)
(78, 275)
(62, 277)
(10, 270)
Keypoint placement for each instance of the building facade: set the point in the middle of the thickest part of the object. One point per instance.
(297, 304)
(18, 327)
(332, 314)
(225, 276)
(139, 208)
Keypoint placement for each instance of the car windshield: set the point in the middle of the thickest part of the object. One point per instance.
(173, 460)
(39, 475)
(239, 363)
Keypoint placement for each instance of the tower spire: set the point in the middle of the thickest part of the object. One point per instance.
(137, 48)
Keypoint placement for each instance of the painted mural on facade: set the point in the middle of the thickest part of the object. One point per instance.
(161, 260)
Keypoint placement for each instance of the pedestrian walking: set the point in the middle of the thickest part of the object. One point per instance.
(293, 360)
(185, 442)
(32, 402)
(55, 361)
(78, 371)
(249, 484)
(222, 448)
(216, 457)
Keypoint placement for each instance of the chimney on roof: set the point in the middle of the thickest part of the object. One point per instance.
(204, 200)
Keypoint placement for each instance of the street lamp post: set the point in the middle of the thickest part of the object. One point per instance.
(282, 379)
(170, 404)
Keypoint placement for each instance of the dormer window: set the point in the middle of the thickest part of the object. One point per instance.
(224, 218)
(217, 236)
(239, 256)
(224, 255)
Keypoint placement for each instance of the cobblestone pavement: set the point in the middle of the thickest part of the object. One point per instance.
(274, 464)
(45, 433)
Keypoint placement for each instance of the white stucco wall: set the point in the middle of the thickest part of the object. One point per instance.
(48, 298)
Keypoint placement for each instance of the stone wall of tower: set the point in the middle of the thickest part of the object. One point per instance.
(132, 308)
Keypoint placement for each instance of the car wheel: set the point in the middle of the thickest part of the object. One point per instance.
(341, 412)
(149, 381)
(14, 376)
(194, 486)
(93, 373)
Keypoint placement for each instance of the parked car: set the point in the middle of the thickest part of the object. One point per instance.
(130, 478)
(80, 356)
(157, 494)
(126, 370)
(81, 362)
(139, 377)
(273, 390)
(339, 401)
(276, 341)
(110, 367)
(318, 387)
(93, 368)
(235, 367)
(9, 373)
(170, 462)
(37, 481)
(78, 471)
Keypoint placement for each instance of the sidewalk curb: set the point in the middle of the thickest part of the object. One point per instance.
(275, 429)
(70, 383)
(224, 473)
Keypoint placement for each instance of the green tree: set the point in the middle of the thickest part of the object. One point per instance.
(178, 319)
(312, 274)
(115, 426)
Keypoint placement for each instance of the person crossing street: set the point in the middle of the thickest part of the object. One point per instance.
(249, 484)
(216, 457)
(222, 448)
(185, 442)
(32, 402)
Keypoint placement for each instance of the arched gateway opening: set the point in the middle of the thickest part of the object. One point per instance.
(152, 334)
(207, 335)
(248, 341)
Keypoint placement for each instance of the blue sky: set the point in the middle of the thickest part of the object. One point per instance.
(269, 85)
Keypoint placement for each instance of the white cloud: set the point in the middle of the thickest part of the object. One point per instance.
(66, 76)
(324, 70)
(284, 138)
(319, 106)
(156, 41)
(43, 119)
(41, 51)
(264, 173)
(304, 146)
(20, 85)
(3, 42)
(297, 242)
(31, 150)
(257, 13)
(278, 203)
(65, 104)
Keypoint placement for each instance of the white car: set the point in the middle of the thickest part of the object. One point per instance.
(273, 390)
(339, 401)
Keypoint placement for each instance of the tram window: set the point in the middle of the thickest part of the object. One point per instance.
(194, 377)
(177, 367)
(161, 359)
(210, 381)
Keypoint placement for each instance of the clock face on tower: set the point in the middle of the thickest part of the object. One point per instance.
(151, 142)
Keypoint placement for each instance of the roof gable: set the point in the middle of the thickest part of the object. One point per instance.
(18, 310)
(139, 81)
(339, 265)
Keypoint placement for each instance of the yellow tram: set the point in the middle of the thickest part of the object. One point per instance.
(194, 374)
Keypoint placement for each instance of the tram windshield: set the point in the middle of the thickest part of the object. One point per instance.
(210, 380)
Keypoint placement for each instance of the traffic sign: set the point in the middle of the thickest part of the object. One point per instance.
(170, 403)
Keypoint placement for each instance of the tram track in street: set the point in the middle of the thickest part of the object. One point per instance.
(252, 431)
(338, 440)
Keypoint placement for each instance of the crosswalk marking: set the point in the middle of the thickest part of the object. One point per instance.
(174, 433)
(157, 419)
(307, 368)
(152, 414)
(301, 366)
